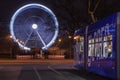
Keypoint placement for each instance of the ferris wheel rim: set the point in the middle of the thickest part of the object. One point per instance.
(28, 6)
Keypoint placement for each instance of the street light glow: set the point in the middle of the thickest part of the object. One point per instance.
(11, 36)
(59, 40)
(70, 37)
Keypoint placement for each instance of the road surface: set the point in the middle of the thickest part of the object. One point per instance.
(43, 70)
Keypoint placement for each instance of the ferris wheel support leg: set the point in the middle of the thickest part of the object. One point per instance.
(41, 39)
(28, 38)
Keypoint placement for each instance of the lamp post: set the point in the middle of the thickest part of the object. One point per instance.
(10, 37)
(70, 44)
(60, 40)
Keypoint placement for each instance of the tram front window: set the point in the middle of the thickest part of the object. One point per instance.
(79, 49)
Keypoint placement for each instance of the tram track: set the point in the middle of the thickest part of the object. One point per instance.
(37, 73)
(44, 72)
(57, 72)
(40, 76)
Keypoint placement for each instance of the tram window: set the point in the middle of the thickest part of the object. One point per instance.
(105, 49)
(81, 38)
(100, 39)
(82, 47)
(77, 47)
(91, 46)
(107, 46)
(91, 50)
(92, 40)
(96, 49)
(79, 44)
(105, 38)
(96, 40)
(100, 50)
(110, 37)
(110, 49)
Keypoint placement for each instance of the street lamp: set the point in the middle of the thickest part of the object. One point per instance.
(69, 37)
(70, 44)
(60, 40)
(59, 43)
(10, 37)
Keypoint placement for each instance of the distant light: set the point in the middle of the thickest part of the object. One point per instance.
(20, 41)
(60, 40)
(11, 36)
(17, 40)
(75, 38)
(70, 37)
(34, 26)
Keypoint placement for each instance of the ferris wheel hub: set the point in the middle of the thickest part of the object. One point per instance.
(34, 26)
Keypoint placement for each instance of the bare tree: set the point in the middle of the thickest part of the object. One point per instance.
(91, 12)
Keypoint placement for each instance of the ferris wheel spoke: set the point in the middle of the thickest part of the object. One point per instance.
(41, 38)
(28, 38)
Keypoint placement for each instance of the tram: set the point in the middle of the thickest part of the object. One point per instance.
(97, 47)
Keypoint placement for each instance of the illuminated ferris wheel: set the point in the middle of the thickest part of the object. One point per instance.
(34, 26)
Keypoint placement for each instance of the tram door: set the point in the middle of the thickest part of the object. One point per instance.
(79, 51)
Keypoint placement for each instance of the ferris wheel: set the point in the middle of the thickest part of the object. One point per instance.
(34, 26)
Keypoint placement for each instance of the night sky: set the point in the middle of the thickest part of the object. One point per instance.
(71, 14)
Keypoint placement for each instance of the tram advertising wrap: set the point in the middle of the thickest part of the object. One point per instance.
(96, 45)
